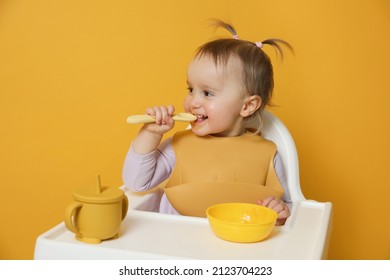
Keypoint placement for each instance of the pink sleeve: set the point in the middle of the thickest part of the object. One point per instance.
(144, 172)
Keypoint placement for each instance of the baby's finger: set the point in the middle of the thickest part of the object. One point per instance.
(150, 111)
(280, 222)
(284, 214)
(157, 114)
(171, 110)
(164, 115)
(275, 203)
(266, 201)
(277, 208)
(154, 112)
(282, 217)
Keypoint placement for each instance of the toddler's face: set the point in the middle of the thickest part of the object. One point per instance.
(215, 97)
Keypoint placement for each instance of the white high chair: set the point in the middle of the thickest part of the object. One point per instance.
(305, 235)
(276, 131)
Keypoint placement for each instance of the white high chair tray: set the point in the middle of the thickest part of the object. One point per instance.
(150, 235)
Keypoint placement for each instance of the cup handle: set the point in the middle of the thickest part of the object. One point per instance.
(69, 216)
(125, 206)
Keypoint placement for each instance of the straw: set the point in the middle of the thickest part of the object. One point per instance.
(98, 185)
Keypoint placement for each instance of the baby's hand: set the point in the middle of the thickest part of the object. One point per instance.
(163, 116)
(279, 206)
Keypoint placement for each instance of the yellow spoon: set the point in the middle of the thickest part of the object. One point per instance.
(180, 117)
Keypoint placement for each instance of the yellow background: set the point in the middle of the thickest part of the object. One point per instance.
(72, 71)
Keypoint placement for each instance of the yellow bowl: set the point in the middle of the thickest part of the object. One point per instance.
(241, 222)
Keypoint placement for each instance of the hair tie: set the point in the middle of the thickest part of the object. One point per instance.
(259, 44)
(235, 37)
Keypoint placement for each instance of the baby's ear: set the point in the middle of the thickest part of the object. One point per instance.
(252, 103)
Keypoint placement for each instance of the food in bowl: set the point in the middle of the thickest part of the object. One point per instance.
(241, 222)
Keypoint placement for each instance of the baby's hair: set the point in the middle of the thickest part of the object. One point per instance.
(256, 64)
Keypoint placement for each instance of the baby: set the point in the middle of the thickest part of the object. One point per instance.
(230, 82)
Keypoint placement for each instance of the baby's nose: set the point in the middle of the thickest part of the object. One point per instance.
(195, 101)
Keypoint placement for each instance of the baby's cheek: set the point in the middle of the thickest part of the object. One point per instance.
(186, 104)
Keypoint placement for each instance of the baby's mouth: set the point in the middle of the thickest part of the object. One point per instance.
(201, 117)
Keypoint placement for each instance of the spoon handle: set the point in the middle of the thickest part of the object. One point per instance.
(181, 117)
(135, 119)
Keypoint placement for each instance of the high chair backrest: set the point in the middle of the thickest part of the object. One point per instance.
(276, 131)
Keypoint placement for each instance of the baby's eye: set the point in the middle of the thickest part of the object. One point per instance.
(190, 90)
(207, 93)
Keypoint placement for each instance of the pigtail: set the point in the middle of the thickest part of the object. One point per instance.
(219, 23)
(277, 45)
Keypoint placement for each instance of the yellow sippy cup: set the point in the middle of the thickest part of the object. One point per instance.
(97, 213)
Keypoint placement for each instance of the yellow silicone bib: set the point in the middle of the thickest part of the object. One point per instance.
(211, 170)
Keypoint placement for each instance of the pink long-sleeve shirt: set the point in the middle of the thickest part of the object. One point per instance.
(144, 172)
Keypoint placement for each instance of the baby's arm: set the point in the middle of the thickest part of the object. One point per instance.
(150, 135)
(279, 205)
(144, 172)
(145, 165)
